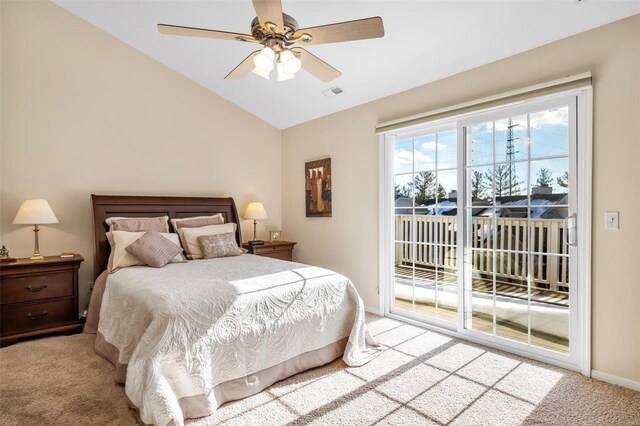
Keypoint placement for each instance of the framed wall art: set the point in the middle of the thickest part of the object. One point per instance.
(318, 187)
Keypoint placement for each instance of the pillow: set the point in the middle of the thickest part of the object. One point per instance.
(220, 245)
(194, 222)
(153, 249)
(120, 258)
(197, 221)
(138, 224)
(191, 237)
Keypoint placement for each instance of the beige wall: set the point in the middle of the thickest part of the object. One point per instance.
(348, 241)
(84, 113)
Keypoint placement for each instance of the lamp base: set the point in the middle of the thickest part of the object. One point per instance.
(37, 257)
(256, 242)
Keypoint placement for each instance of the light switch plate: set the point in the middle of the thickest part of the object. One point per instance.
(611, 220)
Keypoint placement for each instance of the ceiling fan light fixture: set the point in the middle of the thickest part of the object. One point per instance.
(262, 73)
(290, 64)
(282, 75)
(264, 60)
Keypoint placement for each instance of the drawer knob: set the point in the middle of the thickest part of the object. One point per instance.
(37, 316)
(35, 289)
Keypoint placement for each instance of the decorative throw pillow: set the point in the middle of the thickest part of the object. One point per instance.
(221, 245)
(138, 224)
(194, 222)
(120, 240)
(197, 221)
(154, 249)
(191, 235)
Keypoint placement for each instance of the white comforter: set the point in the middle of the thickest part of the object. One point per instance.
(188, 327)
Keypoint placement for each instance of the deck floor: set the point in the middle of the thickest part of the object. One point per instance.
(482, 322)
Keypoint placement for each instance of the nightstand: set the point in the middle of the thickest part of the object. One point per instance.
(282, 250)
(38, 297)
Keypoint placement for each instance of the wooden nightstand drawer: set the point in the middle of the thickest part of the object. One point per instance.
(275, 249)
(33, 316)
(29, 288)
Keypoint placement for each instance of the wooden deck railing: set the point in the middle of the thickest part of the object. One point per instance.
(437, 237)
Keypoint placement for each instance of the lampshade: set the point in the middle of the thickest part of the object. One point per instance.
(262, 73)
(255, 211)
(290, 64)
(35, 212)
(264, 60)
(283, 76)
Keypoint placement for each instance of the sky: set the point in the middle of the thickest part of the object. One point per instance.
(547, 136)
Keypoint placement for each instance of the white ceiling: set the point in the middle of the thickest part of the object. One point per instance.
(425, 41)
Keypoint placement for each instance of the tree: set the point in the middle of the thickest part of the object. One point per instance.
(478, 186)
(545, 177)
(401, 191)
(563, 180)
(423, 186)
(502, 182)
(442, 193)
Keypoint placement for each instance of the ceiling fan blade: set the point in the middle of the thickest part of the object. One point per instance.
(243, 69)
(316, 66)
(269, 11)
(203, 32)
(343, 31)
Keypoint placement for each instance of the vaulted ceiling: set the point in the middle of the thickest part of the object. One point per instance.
(424, 41)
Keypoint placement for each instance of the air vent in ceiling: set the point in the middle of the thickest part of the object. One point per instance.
(330, 93)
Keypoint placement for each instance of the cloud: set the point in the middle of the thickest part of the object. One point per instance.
(550, 117)
(404, 158)
(432, 145)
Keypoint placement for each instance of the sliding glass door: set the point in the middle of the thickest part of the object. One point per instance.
(519, 215)
(482, 238)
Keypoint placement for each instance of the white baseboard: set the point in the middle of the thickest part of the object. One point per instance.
(616, 380)
(372, 310)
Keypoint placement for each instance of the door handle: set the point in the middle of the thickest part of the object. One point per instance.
(569, 234)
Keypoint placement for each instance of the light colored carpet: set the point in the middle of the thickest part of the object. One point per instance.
(422, 378)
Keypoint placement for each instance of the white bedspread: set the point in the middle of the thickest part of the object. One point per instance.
(188, 327)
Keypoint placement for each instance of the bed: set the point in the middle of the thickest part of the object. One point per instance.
(188, 337)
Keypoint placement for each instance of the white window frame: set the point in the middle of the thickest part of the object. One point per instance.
(580, 360)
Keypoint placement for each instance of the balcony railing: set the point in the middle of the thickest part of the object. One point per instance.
(437, 238)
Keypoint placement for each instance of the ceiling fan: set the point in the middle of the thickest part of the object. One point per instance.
(281, 38)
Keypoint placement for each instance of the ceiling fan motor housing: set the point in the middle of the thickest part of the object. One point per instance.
(285, 35)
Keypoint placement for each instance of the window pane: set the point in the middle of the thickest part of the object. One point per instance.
(550, 304)
(511, 229)
(403, 190)
(403, 282)
(509, 179)
(512, 297)
(403, 156)
(511, 139)
(550, 132)
(447, 191)
(426, 229)
(550, 179)
(424, 188)
(404, 226)
(482, 291)
(447, 150)
(481, 185)
(548, 229)
(481, 137)
(425, 153)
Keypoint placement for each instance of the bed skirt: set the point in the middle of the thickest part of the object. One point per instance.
(205, 405)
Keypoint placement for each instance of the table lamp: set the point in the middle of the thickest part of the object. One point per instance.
(35, 212)
(256, 212)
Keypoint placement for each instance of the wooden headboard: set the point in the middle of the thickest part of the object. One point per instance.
(105, 206)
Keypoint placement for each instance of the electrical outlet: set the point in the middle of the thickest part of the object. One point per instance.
(611, 220)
